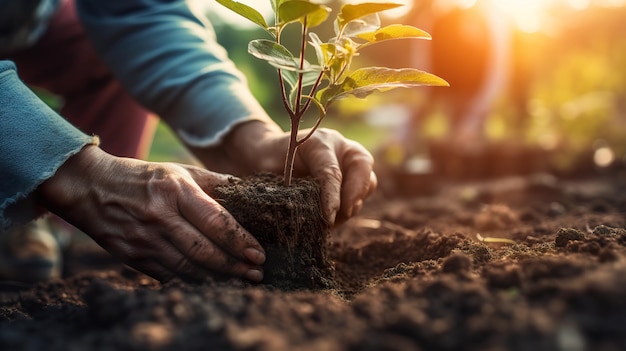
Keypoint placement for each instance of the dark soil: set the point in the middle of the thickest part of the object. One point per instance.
(411, 274)
(288, 222)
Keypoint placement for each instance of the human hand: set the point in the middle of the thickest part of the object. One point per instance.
(344, 167)
(155, 217)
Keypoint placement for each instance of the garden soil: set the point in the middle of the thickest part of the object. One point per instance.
(288, 222)
(517, 263)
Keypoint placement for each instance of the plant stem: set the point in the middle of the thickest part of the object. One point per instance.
(313, 129)
(312, 92)
(299, 111)
(295, 114)
(291, 155)
(284, 94)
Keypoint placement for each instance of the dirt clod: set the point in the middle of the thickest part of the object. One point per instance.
(457, 263)
(565, 235)
(287, 221)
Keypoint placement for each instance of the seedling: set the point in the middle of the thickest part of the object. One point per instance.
(329, 78)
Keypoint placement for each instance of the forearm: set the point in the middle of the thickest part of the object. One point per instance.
(167, 57)
(34, 142)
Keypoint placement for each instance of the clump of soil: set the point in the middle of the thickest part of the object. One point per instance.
(288, 222)
(565, 235)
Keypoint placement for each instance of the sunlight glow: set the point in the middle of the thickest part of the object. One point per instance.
(533, 15)
(526, 14)
(466, 3)
(579, 4)
(610, 3)
(604, 156)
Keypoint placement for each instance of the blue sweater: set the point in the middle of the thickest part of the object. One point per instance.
(164, 53)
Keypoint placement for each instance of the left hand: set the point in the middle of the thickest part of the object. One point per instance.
(344, 167)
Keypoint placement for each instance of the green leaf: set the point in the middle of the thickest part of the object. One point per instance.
(245, 11)
(394, 31)
(273, 53)
(297, 10)
(350, 12)
(365, 81)
(367, 23)
(276, 4)
(308, 78)
(316, 43)
(320, 108)
(279, 56)
(290, 77)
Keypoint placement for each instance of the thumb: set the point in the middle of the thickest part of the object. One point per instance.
(208, 180)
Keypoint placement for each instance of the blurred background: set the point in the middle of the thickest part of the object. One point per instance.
(541, 75)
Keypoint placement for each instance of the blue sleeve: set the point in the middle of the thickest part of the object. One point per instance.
(34, 142)
(166, 55)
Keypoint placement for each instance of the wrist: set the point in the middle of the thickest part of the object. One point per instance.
(242, 150)
(71, 182)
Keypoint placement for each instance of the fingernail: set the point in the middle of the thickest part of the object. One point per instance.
(332, 218)
(357, 208)
(254, 275)
(330, 215)
(254, 256)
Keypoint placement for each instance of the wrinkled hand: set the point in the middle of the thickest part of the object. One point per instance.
(344, 167)
(155, 217)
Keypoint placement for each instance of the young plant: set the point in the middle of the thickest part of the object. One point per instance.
(329, 78)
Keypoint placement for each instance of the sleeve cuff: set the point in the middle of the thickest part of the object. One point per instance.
(34, 142)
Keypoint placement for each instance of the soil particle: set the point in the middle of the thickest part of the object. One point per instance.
(565, 235)
(457, 263)
(478, 251)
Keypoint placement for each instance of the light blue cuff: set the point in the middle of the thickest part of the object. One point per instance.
(34, 142)
(166, 55)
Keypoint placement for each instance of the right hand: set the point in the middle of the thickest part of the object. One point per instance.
(343, 167)
(155, 217)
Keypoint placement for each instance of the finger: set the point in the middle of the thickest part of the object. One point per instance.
(174, 260)
(208, 180)
(196, 255)
(358, 205)
(158, 257)
(373, 184)
(220, 228)
(184, 266)
(153, 269)
(323, 165)
(359, 180)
